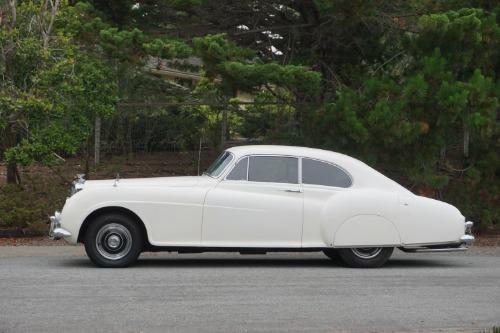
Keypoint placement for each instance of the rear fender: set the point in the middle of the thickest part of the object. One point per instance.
(361, 217)
(366, 230)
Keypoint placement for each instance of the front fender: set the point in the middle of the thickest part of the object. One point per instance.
(78, 207)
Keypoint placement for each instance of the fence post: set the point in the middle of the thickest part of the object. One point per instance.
(97, 140)
(223, 127)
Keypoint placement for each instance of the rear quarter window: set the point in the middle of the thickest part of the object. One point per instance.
(320, 173)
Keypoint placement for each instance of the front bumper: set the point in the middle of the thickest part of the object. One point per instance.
(468, 238)
(55, 230)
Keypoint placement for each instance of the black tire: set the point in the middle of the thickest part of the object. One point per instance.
(333, 255)
(121, 240)
(365, 257)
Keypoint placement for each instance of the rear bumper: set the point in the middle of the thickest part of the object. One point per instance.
(464, 242)
(55, 230)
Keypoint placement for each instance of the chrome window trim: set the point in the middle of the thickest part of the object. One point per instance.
(300, 170)
(248, 166)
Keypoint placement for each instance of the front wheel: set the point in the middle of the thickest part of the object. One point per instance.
(113, 240)
(365, 257)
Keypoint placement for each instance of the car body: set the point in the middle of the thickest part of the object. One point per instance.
(263, 198)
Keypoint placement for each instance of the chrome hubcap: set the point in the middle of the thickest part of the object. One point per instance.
(113, 241)
(366, 252)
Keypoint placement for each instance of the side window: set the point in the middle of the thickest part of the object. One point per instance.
(239, 171)
(273, 169)
(320, 173)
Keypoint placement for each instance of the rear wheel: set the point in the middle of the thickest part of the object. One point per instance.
(333, 255)
(113, 240)
(365, 257)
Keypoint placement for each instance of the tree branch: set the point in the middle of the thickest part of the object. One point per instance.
(388, 61)
(54, 6)
(12, 5)
(279, 27)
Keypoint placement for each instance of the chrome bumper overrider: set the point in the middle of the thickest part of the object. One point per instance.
(468, 239)
(55, 231)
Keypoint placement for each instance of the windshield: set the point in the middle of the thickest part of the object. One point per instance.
(220, 164)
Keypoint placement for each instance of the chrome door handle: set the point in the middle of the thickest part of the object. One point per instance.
(292, 190)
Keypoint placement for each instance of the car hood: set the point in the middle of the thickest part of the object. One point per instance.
(183, 181)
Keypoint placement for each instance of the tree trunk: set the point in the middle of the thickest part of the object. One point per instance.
(10, 141)
(11, 173)
(87, 158)
(466, 140)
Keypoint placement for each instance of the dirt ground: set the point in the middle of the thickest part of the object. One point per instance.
(138, 165)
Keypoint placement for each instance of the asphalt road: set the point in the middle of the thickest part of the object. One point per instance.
(55, 289)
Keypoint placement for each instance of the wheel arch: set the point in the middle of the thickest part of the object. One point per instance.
(347, 216)
(112, 209)
(366, 230)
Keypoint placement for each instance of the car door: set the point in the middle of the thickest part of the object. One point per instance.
(258, 204)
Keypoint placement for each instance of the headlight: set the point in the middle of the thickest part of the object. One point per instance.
(77, 184)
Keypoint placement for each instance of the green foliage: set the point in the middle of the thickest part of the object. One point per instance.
(154, 129)
(468, 38)
(27, 209)
(54, 91)
(215, 49)
(223, 57)
(51, 90)
(415, 124)
(249, 76)
(274, 122)
(167, 48)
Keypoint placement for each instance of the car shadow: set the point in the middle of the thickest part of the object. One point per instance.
(234, 262)
(423, 263)
(262, 262)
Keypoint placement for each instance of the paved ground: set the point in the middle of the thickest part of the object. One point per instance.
(55, 289)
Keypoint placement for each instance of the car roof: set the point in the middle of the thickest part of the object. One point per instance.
(321, 154)
(363, 174)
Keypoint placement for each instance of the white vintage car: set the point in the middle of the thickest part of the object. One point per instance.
(255, 199)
